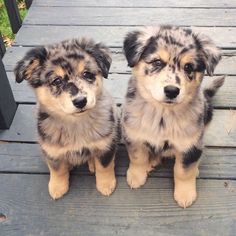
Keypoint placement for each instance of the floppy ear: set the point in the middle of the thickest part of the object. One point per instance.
(30, 64)
(210, 52)
(133, 48)
(101, 54)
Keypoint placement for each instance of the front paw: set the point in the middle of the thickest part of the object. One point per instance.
(58, 188)
(106, 186)
(185, 194)
(136, 177)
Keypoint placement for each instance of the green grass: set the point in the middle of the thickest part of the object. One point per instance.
(5, 27)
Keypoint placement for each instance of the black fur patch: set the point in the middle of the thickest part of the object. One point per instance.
(197, 42)
(85, 152)
(75, 56)
(150, 48)
(166, 146)
(107, 157)
(172, 68)
(102, 61)
(170, 40)
(162, 123)
(41, 117)
(131, 93)
(187, 31)
(39, 53)
(208, 113)
(209, 93)
(49, 74)
(111, 115)
(201, 67)
(131, 47)
(191, 156)
(66, 78)
(152, 150)
(41, 132)
(200, 119)
(184, 50)
(35, 83)
(71, 88)
(146, 71)
(177, 79)
(53, 163)
(63, 63)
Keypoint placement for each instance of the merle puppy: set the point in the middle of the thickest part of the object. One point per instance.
(77, 120)
(166, 109)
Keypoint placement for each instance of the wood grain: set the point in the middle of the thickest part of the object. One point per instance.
(113, 36)
(27, 158)
(119, 16)
(83, 211)
(138, 3)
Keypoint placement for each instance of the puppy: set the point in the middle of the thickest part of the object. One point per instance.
(77, 120)
(166, 110)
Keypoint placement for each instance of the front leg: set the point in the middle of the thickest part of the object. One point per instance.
(59, 179)
(105, 172)
(185, 174)
(139, 165)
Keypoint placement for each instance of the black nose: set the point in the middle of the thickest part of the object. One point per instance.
(171, 91)
(80, 102)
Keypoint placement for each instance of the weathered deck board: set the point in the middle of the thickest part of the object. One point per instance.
(113, 36)
(119, 65)
(27, 158)
(150, 210)
(221, 131)
(83, 211)
(119, 16)
(138, 3)
(224, 98)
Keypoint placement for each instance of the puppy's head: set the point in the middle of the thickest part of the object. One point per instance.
(169, 62)
(67, 77)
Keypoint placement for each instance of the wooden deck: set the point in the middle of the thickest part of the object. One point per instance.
(25, 206)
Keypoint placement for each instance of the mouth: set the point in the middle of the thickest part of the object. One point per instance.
(170, 102)
(81, 111)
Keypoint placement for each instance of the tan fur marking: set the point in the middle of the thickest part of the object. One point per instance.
(59, 181)
(186, 58)
(31, 68)
(105, 177)
(59, 71)
(185, 183)
(164, 55)
(80, 67)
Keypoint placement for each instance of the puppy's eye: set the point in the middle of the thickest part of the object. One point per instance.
(89, 76)
(158, 63)
(57, 81)
(188, 68)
